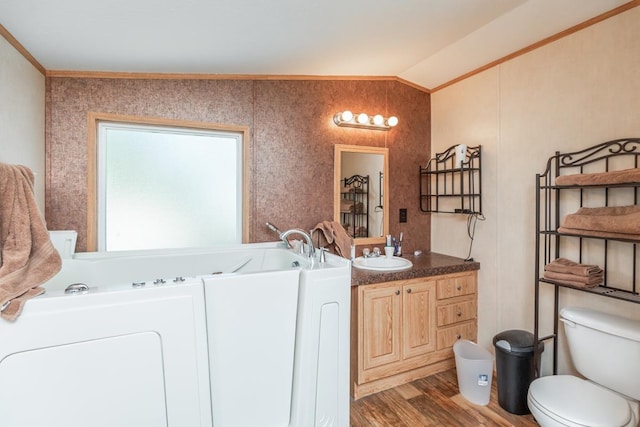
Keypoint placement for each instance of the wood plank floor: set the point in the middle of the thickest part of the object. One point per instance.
(432, 401)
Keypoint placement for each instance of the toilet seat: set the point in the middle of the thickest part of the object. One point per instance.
(571, 401)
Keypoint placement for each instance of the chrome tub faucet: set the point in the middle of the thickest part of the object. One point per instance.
(311, 250)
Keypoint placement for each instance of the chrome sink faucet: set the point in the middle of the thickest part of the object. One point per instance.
(311, 249)
(375, 254)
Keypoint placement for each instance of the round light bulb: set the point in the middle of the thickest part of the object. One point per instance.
(378, 120)
(363, 118)
(346, 116)
(392, 121)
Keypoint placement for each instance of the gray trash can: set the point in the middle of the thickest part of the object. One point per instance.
(516, 367)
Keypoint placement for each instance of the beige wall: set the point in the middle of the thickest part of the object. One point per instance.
(22, 89)
(576, 92)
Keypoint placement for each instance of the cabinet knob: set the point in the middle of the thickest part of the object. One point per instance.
(397, 292)
(409, 290)
(458, 313)
(458, 287)
(458, 336)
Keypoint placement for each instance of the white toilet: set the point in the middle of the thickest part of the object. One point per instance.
(606, 350)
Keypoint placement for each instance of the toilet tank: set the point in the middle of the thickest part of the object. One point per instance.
(605, 348)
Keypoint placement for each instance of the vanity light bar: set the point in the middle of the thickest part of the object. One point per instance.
(362, 120)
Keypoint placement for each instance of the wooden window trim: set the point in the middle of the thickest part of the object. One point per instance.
(92, 163)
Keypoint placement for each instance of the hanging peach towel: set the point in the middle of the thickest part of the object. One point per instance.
(27, 256)
(334, 232)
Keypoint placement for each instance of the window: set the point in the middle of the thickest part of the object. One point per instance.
(160, 186)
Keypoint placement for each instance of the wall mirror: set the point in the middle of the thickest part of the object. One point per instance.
(361, 192)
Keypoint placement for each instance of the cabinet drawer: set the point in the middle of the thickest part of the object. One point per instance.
(446, 337)
(458, 312)
(456, 286)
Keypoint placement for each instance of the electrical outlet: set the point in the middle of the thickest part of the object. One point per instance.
(403, 215)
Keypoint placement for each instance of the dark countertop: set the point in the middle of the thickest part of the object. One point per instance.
(424, 265)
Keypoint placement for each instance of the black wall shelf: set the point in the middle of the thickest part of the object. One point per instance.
(447, 188)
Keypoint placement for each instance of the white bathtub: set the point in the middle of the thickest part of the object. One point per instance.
(196, 345)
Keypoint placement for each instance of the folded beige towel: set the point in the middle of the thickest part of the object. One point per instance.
(592, 280)
(566, 266)
(335, 233)
(28, 258)
(613, 219)
(603, 234)
(346, 205)
(601, 178)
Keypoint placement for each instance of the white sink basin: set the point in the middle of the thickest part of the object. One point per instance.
(382, 263)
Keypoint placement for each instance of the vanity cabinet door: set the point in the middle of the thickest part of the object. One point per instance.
(418, 309)
(381, 314)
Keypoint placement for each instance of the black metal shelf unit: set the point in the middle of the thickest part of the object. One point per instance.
(446, 188)
(553, 201)
(354, 206)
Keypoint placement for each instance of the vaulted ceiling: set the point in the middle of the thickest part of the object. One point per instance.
(426, 42)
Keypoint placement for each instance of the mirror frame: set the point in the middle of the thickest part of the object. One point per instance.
(337, 179)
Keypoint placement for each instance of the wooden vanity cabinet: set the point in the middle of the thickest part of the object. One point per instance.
(404, 330)
(398, 321)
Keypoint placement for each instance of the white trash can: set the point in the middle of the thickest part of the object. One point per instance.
(474, 366)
